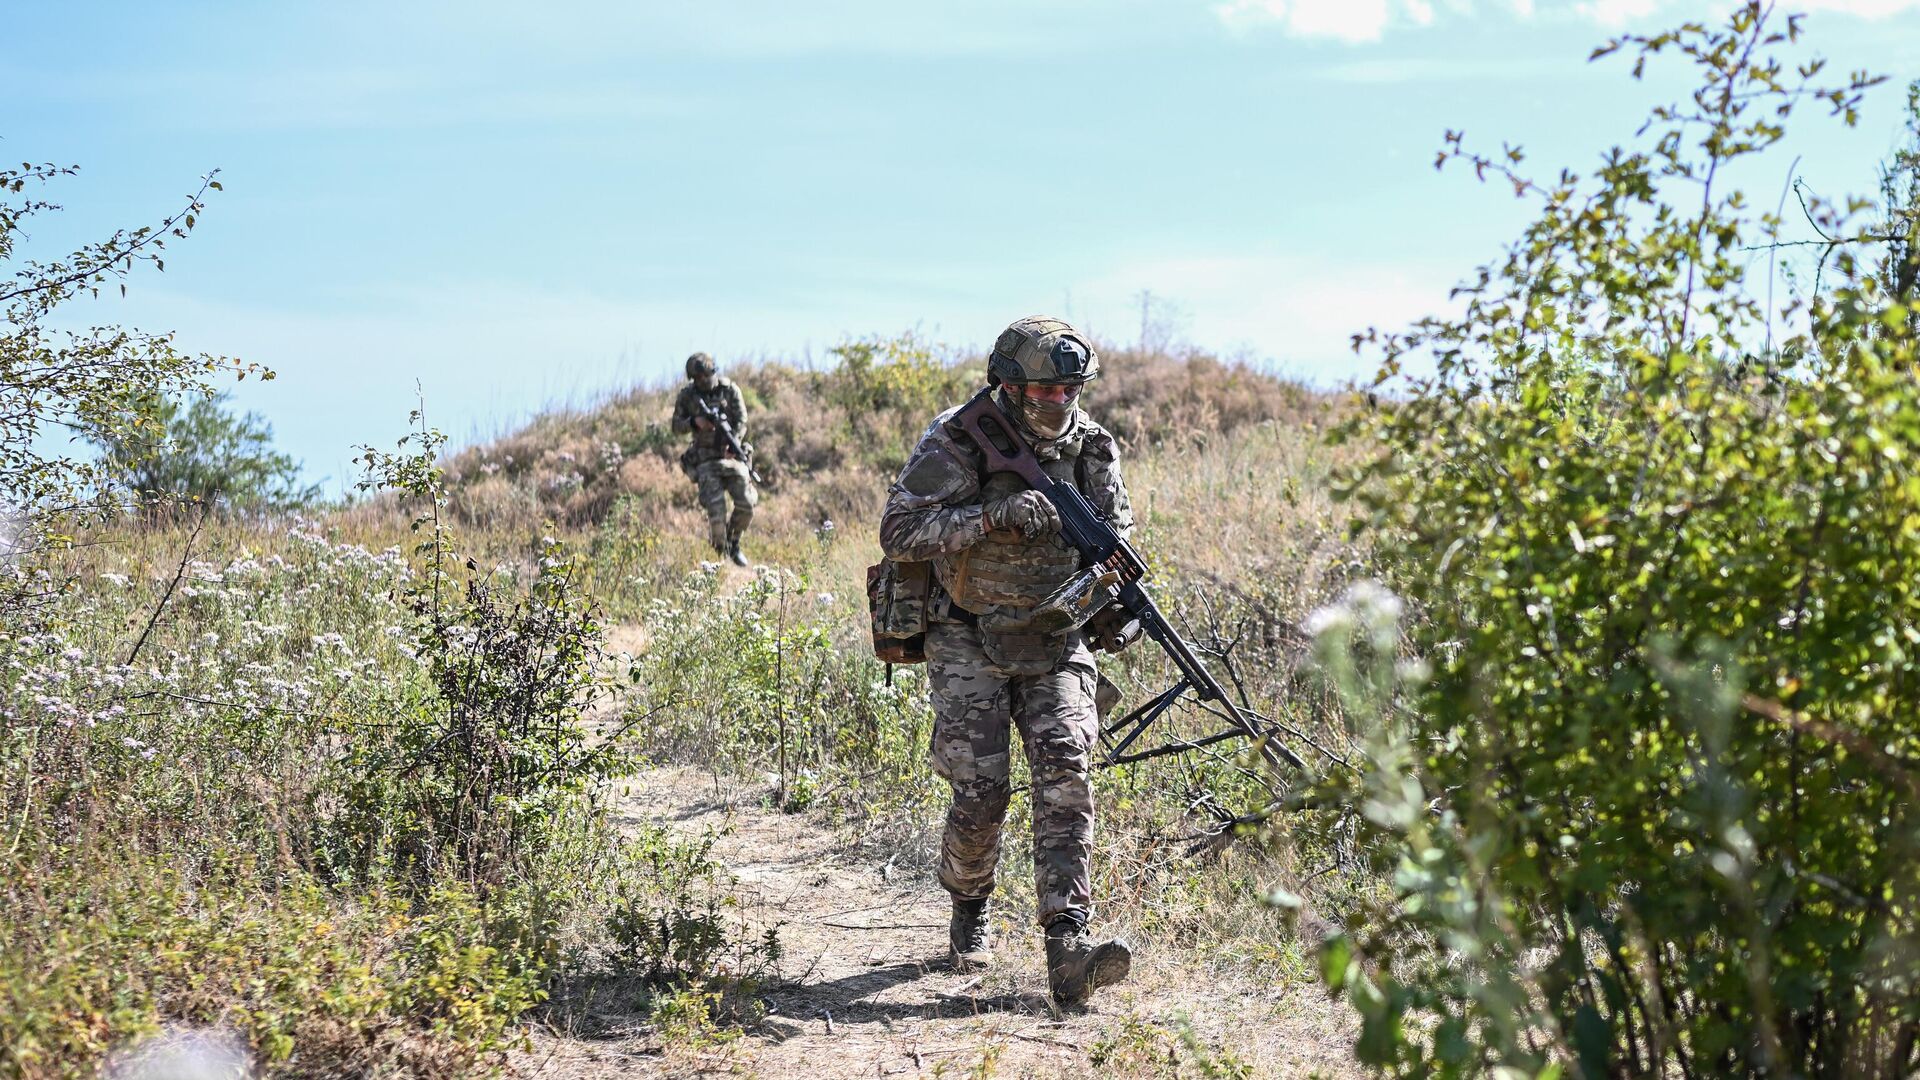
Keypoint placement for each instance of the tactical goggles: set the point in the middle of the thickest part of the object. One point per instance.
(1057, 393)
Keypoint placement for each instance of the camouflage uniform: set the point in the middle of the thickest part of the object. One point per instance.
(985, 684)
(717, 475)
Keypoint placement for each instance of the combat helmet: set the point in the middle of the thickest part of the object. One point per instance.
(701, 369)
(1039, 351)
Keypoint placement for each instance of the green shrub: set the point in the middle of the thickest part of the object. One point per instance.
(756, 680)
(668, 920)
(1653, 811)
(99, 949)
(197, 451)
(475, 781)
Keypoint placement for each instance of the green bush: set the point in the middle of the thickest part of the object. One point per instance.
(1653, 811)
(338, 800)
(476, 781)
(668, 921)
(755, 680)
(196, 450)
(102, 948)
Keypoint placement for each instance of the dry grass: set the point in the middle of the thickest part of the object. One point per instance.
(1228, 468)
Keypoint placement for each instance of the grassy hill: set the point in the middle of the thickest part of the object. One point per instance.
(344, 783)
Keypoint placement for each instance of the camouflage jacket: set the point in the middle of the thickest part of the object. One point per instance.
(935, 512)
(725, 399)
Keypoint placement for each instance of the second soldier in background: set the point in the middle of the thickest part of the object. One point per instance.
(708, 401)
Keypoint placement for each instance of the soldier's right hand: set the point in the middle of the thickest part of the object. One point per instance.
(1028, 513)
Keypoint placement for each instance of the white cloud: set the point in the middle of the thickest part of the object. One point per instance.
(1352, 21)
(1865, 9)
(1299, 312)
(1617, 13)
(1362, 21)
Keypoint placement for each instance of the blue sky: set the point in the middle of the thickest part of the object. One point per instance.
(513, 204)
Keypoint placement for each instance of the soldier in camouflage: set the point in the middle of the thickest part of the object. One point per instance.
(715, 470)
(995, 550)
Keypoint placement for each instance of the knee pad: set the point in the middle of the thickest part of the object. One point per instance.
(982, 804)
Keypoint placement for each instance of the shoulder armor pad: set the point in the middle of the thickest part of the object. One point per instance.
(1097, 442)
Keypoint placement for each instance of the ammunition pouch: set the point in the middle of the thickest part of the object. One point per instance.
(1023, 654)
(898, 594)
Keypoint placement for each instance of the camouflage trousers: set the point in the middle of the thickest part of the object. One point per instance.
(717, 480)
(975, 709)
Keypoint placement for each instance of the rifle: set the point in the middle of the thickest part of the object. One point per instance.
(727, 437)
(1083, 528)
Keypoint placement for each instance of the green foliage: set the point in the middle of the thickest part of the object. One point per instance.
(475, 782)
(196, 450)
(1899, 269)
(85, 380)
(685, 1019)
(755, 679)
(887, 390)
(342, 801)
(100, 947)
(667, 922)
(1653, 812)
(875, 375)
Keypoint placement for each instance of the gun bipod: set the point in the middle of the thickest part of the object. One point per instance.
(1247, 725)
(1175, 748)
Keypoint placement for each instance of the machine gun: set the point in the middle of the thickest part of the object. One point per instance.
(727, 438)
(1083, 528)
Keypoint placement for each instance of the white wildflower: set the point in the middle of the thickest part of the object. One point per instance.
(1367, 607)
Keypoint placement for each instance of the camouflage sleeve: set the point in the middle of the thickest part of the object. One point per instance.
(736, 411)
(925, 514)
(682, 414)
(1101, 482)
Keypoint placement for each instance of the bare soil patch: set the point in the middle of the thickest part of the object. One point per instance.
(864, 988)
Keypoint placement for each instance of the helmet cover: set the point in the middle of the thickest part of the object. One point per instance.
(1039, 349)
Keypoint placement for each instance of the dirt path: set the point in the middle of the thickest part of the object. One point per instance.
(864, 989)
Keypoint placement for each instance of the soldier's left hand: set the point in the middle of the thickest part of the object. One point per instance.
(1027, 512)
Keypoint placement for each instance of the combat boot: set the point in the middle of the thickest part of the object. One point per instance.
(733, 552)
(967, 935)
(1077, 965)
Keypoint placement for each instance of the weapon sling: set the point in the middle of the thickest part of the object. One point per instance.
(1084, 528)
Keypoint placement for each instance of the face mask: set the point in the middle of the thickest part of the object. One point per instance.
(1045, 418)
